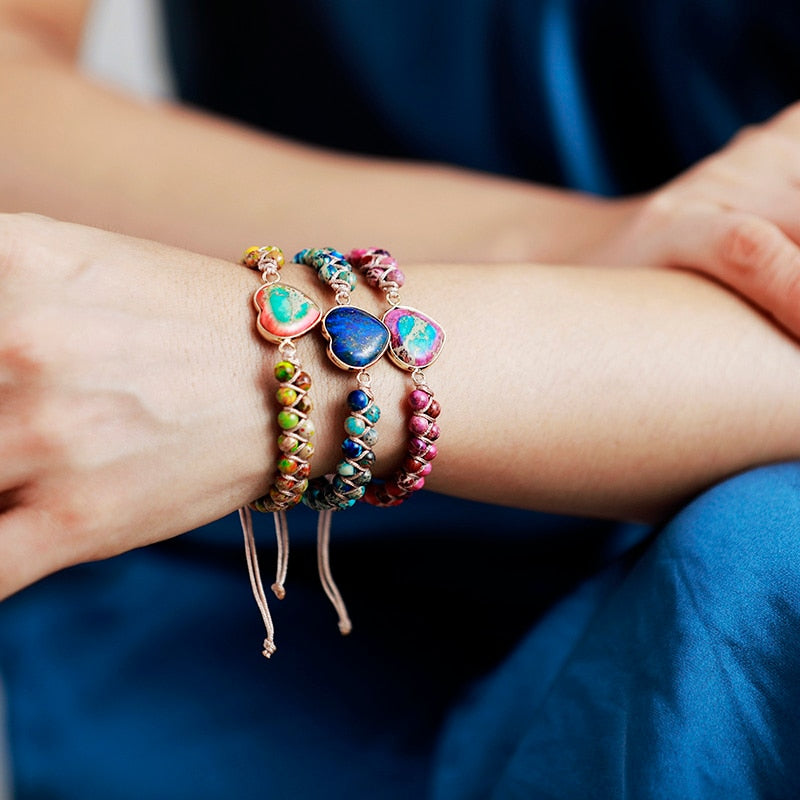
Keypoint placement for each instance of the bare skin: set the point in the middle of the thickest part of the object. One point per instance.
(132, 384)
(188, 179)
(135, 402)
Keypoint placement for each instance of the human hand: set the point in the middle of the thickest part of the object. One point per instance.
(129, 395)
(734, 217)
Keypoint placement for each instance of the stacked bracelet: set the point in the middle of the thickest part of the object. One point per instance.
(356, 340)
(415, 343)
(283, 314)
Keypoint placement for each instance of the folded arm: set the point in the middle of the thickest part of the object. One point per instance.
(136, 398)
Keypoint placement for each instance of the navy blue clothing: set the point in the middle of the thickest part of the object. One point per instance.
(495, 653)
(602, 95)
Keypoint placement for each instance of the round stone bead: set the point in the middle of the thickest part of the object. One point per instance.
(287, 443)
(427, 468)
(303, 470)
(305, 451)
(304, 404)
(288, 420)
(372, 413)
(418, 447)
(434, 432)
(419, 399)
(411, 464)
(328, 272)
(346, 469)
(355, 426)
(278, 496)
(284, 482)
(305, 429)
(367, 458)
(288, 466)
(370, 437)
(418, 424)
(284, 371)
(434, 409)
(352, 448)
(433, 451)
(358, 400)
(393, 490)
(395, 276)
(303, 381)
(363, 478)
(286, 396)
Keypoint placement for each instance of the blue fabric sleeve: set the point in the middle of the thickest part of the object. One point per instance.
(673, 674)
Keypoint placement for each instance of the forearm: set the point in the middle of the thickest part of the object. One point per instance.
(77, 151)
(599, 391)
(138, 398)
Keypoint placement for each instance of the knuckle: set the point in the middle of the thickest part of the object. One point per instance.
(748, 246)
(24, 349)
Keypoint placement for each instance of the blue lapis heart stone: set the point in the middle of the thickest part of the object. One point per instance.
(357, 339)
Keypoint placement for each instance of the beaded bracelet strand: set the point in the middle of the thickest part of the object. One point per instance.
(283, 314)
(356, 340)
(415, 343)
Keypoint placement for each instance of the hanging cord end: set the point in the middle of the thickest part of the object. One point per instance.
(345, 626)
(278, 590)
(269, 648)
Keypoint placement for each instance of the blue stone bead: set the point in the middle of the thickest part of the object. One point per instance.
(355, 426)
(340, 484)
(346, 469)
(357, 339)
(358, 400)
(373, 414)
(352, 449)
(326, 273)
(302, 257)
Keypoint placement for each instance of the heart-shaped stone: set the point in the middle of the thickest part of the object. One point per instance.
(416, 339)
(284, 312)
(356, 338)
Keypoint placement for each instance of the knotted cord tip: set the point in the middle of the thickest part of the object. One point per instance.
(345, 626)
(278, 590)
(269, 648)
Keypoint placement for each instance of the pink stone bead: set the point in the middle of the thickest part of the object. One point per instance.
(373, 276)
(434, 409)
(426, 469)
(433, 451)
(412, 464)
(396, 276)
(434, 432)
(418, 424)
(419, 399)
(418, 485)
(418, 447)
(393, 490)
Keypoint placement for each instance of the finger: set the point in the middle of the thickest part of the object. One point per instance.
(29, 549)
(748, 254)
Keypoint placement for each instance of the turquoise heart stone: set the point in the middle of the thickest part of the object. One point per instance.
(357, 339)
(284, 312)
(416, 339)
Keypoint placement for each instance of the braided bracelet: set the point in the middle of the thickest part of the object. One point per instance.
(283, 314)
(356, 340)
(415, 343)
